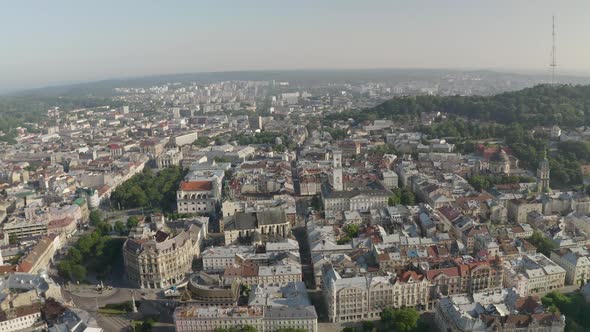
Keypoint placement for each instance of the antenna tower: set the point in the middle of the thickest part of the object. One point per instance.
(553, 63)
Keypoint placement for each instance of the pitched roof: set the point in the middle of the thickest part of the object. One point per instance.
(405, 277)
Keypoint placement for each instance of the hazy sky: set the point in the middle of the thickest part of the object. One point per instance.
(51, 42)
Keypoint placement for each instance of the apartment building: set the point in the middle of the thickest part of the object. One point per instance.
(263, 319)
(575, 261)
(163, 258)
(532, 274)
(364, 297)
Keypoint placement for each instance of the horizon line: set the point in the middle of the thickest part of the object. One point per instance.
(512, 71)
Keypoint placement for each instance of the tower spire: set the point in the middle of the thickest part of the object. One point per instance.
(553, 63)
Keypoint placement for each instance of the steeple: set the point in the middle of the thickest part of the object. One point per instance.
(543, 174)
(337, 182)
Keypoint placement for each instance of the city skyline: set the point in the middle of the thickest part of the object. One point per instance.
(66, 42)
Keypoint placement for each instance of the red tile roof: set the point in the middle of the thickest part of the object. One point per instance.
(58, 223)
(6, 269)
(410, 274)
(249, 270)
(38, 251)
(196, 185)
(449, 213)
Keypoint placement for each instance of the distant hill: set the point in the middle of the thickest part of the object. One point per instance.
(498, 81)
(564, 105)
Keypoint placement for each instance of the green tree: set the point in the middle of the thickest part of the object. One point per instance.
(85, 244)
(387, 317)
(78, 272)
(396, 198)
(64, 269)
(132, 222)
(343, 240)
(120, 227)
(149, 190)
(316, 203)
(543, 244)
(402, 320)
(74, 255)
(95, 217)
(105, 228)
(573, 306)
(368, 326)
(146, 326)
(407, 197)
(12, 239)
(351, 230)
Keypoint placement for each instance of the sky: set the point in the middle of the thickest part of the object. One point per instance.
(57, 42)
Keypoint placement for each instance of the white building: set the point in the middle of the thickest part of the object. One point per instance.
(21, 318)
(364, 297)
(575, 261)
(197, 197)
(162, 259)
(532, 274)
(216, 259)
(390, 180)
(499, 310)
(263, 319)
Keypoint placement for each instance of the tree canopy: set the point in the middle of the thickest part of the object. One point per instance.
(93, 251)
(509, 116)
(402, 196)
(565, 105)
(480, 182)
(401, 320)
(544, 244)
(148, 190)
(95, 217)
(573, 306)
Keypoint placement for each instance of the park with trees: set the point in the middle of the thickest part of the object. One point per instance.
(149, 190)
(94, 252)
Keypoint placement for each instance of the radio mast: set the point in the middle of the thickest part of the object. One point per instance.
(553, 63)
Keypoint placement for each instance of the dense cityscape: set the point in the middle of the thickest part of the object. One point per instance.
(295, 166)
(274, 206)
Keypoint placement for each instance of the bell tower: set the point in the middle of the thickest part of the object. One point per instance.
(337, 181)
(543, 175)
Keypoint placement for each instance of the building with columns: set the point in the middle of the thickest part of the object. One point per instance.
(370, 196)
(169, 158)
